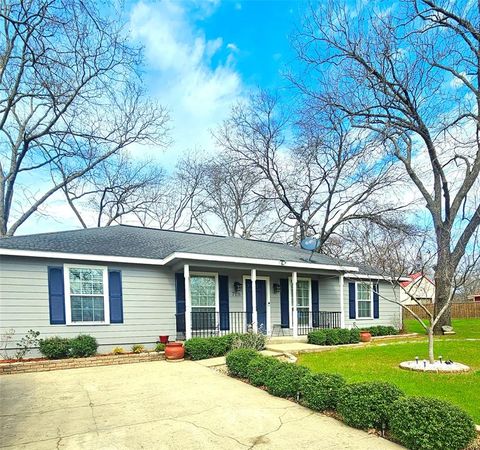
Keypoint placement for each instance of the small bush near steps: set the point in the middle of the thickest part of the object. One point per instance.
(285, 380)
(260, 369)
(237, 361)
(421, 423)
(320, 391)
(211, 347)
(366, 405)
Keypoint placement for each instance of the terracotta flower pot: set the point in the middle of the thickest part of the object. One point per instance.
(174, 350)
(365, 336)
(163, 339)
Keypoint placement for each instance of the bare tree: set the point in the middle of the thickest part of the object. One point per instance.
(180, 202)
(324, 180)
(70, 99)
(410, 75)
(117, 188)
(238, 197)
(394, 246)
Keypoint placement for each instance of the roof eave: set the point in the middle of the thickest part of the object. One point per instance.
(176, 256)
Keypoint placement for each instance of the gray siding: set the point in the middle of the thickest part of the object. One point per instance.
(390, 313)
(148, 303)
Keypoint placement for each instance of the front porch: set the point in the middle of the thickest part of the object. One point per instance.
(216, 302)
(207, 324)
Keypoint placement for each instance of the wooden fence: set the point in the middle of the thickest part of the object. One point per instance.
(459, 311)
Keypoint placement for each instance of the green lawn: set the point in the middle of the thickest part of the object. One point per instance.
(380, 361)
(465, 328)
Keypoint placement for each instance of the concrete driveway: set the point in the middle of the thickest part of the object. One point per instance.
(163, 406)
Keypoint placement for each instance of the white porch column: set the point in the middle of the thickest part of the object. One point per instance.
(188, 302)
(294, 305)
(253, 277)
(341, 281)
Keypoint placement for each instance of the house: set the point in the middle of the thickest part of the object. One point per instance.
(418, 286)
(126, 284)
(474, 298)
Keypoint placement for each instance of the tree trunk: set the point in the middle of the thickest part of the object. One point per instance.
(443, 288)
(431, 356)
(444, 274)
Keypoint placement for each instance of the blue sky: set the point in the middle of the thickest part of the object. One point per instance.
(201, 57)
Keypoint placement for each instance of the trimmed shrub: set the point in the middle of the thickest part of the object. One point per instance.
(198, 348)
(238, 360)
(320, 390)
(159, 347)
(334, 336)
(366, 405)
(285, 380)
(211, 347)
(55, 347)
(118, 351)
(220, 345)
(83, 346)
(260, 369)
(421, 423)
(381, 330)
(138, 348)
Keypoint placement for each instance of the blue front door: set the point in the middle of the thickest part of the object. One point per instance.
(261, 290)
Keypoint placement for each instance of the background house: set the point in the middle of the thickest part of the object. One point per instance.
(420, 287)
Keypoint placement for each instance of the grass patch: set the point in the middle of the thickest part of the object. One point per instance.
(465, 328)
(379, 362)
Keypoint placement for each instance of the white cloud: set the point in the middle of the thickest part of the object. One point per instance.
(233, 47)
(198, 93)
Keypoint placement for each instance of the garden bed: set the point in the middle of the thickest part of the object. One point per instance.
(42, 365)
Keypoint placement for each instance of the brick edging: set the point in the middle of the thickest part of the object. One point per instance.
(75, 363)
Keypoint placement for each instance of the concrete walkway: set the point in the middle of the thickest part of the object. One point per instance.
(160, 405)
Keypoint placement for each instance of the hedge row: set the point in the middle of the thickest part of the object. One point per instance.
(381, 330)
(212, 347)
(418, 423)
(81, 346)
(334, 336)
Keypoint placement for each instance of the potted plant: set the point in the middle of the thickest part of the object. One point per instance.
(174, 351)
(365, 336)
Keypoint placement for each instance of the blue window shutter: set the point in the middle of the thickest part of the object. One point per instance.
(351, 301)
(223, 302)
(284, 309)
(116, 297)
(56, 295)
(180, 301)
(376, 301)
(315, 304)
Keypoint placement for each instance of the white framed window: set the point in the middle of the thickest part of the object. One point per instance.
(304, 300)
(205, 300)
(86, 295)
(364, 300)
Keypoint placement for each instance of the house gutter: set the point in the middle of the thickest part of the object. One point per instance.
(176, 256)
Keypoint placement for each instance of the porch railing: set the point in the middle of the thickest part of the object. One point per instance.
(314, 320)
(213, 323)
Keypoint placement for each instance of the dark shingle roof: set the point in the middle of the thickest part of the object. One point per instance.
(139, 242)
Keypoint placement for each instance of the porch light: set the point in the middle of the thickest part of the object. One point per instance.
(237, 287)
(276, 288)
